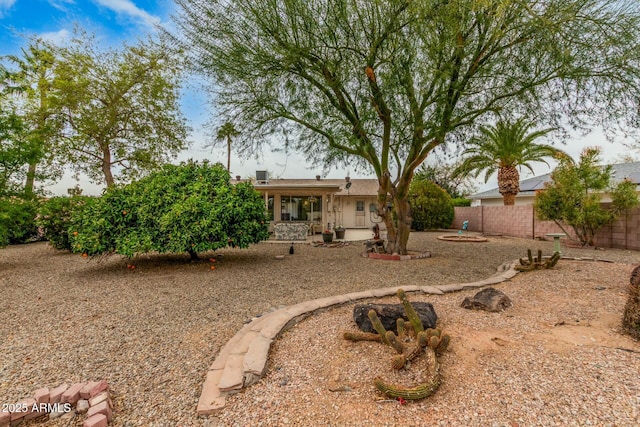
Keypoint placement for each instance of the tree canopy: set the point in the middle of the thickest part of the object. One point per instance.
(187, 208)
(382, 83)
(120, 107)
(574, 196)
(505, 148)
(27, 99)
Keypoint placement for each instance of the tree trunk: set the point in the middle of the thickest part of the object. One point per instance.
(106, 167)
(398, 228)
(508, 184)
(229, 154)
(31, 178)
(193, 254)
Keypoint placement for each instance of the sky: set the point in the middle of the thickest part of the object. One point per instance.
(116, 21)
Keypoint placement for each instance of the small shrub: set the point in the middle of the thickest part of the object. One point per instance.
(54, 218)
(431, 206)
(17, 220)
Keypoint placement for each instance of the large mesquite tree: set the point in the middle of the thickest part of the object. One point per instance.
(382, 83)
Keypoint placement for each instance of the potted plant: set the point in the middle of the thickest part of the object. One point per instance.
(339, 232)
(327, 236)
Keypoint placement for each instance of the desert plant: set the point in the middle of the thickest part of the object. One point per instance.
(631, 317)
(538, 262)
(431, 342)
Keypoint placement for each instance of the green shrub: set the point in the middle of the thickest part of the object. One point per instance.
(460, 202)
(17, 220)
(431, 206)
(54, 218)
(188, 208)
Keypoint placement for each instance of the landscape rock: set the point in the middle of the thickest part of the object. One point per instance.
(488, 299)
(389, 313)
(82, 406)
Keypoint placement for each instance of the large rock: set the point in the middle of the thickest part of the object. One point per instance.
(488, 299)
(389, 313)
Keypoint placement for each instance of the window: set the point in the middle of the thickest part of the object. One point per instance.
(301, 208)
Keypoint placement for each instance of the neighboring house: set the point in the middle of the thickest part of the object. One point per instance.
(323, 203)
(530, 186)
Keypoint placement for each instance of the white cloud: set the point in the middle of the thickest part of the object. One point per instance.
(128, 8)
(58, 38)
(60, 4)
(5, 5)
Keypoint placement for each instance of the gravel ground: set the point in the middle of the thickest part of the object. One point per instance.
(153, 331)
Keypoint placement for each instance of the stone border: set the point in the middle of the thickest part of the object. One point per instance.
(243, 360)
(396, 257)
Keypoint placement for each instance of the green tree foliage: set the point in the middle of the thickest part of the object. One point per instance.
(382, 83)
(120, 107)
(505, 148)
(17, 220)
(440, 172)
(573, 196)
(431, 206)
(30, 86)
(13, 155)
(188, 208)
(54, 218)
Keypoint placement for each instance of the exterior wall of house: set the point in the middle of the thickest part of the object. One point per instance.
(348, 215)
(520, 221)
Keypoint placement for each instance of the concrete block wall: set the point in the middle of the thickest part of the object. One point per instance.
(520, 221)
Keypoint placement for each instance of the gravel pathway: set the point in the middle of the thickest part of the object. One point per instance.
(153, 331)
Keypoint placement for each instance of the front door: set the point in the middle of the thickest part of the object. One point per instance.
(360, 218)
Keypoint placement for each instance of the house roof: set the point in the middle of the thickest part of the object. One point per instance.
(359, 187)
(528, 187)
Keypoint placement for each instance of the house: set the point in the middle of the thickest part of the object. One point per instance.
(530, 186)
(319, 203)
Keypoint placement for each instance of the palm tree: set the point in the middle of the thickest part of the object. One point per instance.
(226, 132)
(505, 147)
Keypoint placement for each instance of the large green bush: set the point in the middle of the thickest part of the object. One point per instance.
(17, 220)
(188, 208)
(431, 206)
(54, 218)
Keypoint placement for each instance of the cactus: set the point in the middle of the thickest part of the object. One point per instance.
(421, 391)
(411, 313)
(537, 263)
(398, 362)
(361, 336)
(377, 325)
(393, 341)
(631, 315)
(432, 343)
(400, 326)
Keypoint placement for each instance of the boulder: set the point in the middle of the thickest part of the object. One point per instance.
(488, 299)
(389, 313)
